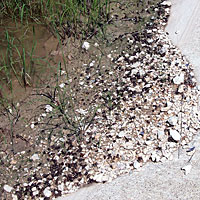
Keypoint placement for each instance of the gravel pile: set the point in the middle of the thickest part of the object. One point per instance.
(151, 110)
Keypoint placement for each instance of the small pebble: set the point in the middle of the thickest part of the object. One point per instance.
(47, 192)
(35, 157)
(86, 45)
(175, 134)
(187, 169)
(7, 188)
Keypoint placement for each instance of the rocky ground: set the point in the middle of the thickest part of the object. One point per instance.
(143, 106)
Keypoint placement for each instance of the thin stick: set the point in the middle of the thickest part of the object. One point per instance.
(191, 157)
(181, 127)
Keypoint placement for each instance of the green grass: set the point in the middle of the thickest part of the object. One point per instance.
(66, 114)
(15, 62)
(63, 16)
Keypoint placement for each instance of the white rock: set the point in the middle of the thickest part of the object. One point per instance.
(131, 41)
(175, 134)
(187, 169)
(169, 105)
(48, 108)
(145, 158)
(161, 134)
(135, 65)
(128, 145)
(7, 188)
(181, 88)
(47, 192)
(32, 125)
(148, 142)
(81, 83)
(172, 145)
(155, 157)
(36, 192)
(105, 178)
(142, 72)
(192, 73)
(43, 114)
(121, 166)
(167, 10)
(63, 72)
(149, 31)
(194, 81)
(136, 165)
(179, 79)
(98, 178)
(126, 55)
(109, 56)
(96, 44)
(61, 187)
(14, 197)
(155, 30)
(150, 41)
(131, 58)
(62, 85)
(121, 134)
(166, 153)
(35, 157)
(56, 157)
(120, 58)
(166, 3)
(34, 189)
(163, 50)
(92, 63)
(191, 151)
(134, 71)
(173, 120)
(82, 111)
(86, 45)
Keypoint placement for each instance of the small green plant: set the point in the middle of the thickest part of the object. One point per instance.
(64, 112)
(12, 113)
(16, 62)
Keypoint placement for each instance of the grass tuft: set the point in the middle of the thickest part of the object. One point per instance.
(63, 18)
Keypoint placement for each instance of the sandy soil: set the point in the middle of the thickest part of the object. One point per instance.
(162, 180)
